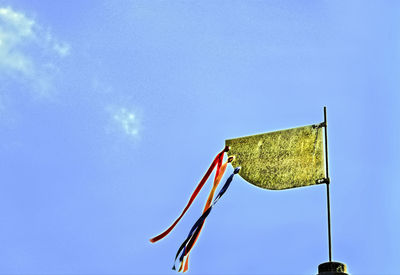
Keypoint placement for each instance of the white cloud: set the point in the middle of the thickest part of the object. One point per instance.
(15, 28)
(27, 51)
(128, 121)
(18, 22)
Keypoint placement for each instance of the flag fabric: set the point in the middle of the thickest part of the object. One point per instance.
(282, 159)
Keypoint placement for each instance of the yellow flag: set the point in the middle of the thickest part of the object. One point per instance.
(282, 159)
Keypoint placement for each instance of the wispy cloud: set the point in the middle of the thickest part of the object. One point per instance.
(61, 48)
(28, 50)
(124, 117)
(127, 121)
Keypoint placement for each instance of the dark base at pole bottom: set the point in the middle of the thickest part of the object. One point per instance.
(332, 268)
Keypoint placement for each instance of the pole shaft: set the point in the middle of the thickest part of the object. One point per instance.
(327, 186)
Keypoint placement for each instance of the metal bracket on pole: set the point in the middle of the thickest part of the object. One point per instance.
(324, 180)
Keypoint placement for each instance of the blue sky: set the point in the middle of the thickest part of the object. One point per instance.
(111, 111)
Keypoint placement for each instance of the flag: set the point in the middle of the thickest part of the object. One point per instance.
(281, 159)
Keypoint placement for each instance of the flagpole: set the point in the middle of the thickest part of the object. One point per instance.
(329, 268)
(327, 185)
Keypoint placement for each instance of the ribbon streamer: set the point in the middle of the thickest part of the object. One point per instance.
(185, 264)
(217, 162)
(195, 230)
